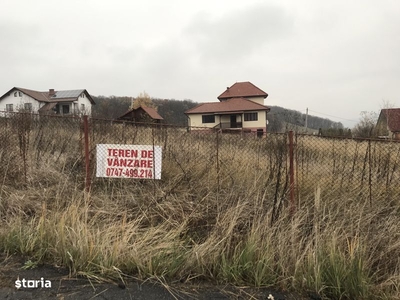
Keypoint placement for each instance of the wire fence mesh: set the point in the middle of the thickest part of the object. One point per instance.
(33, 145)
(366, 169)
(40, 149)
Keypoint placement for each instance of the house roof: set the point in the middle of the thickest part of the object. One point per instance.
(149, 110)
(392, 116)
(242, 89)
(231, 105)
(47, 107)
(152, 113)
(51, 95)
(39, 96)
(67, 94)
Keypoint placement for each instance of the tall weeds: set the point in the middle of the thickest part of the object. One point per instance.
(231, 226)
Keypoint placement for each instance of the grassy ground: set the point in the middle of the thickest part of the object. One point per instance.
(220, 213)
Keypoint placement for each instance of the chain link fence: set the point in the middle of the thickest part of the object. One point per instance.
(41, 150)
(38, 149)
(365, 169)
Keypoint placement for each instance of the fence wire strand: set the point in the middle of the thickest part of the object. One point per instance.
(367, 170)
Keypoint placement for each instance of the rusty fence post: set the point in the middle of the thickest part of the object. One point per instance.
(86, 147)
(217, 159)
(291, 174)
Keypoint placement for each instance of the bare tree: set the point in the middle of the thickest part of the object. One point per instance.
(365, 127)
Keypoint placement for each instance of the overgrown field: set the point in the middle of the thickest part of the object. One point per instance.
(220, 213)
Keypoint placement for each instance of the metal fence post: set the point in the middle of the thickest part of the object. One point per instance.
(291, 173)
(217, 159)
(87, 159)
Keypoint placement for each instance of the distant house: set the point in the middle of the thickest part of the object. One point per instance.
(51, 102)
(388, 124)
(241, 108)
(141, 114)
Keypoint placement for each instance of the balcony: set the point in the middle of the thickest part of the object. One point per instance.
(229, 125)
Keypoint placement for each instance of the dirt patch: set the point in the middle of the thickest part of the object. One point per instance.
(34, 284)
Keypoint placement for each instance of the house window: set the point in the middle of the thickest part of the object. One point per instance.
(9, 107)
(251, 116)
(17, 94)
(82, 95)
(208, 119)
(82, 107)
(28, 106)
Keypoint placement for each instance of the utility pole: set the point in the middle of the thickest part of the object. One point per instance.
(306, 125)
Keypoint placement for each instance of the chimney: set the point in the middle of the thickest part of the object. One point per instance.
(51, 92)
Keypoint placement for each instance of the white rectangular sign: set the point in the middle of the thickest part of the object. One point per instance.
(129, 161)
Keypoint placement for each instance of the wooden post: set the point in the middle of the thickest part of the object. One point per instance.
(87, 159)
(291, 174)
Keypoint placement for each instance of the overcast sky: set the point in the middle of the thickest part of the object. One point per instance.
(337, 58)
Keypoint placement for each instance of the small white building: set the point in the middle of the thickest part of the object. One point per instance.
(68, 102)
(241, 108)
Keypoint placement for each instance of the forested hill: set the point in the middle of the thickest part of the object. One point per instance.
(173, 111)
(279, 118)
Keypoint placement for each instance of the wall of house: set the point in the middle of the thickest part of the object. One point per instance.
(75, 107)
(381, 128)
(259, 100)
(83, 99)
(195, 120)
(227, 118)
(254, 125)
(19, 101)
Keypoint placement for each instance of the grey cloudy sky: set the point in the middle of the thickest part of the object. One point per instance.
(335, 57)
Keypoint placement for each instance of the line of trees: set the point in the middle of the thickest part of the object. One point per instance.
(282, 119)
(173, 111)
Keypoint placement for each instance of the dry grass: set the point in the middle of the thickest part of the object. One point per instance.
(219, 216)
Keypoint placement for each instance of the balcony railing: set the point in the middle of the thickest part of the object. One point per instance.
(229, 125)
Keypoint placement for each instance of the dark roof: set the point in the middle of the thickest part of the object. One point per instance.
(51, 95)
(242, 89)
(392, 116)
(231, 105)
(39, 96)
(148, 110)
(47, 107)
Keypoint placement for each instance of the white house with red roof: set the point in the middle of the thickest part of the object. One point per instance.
(241, 108)
(50, 102)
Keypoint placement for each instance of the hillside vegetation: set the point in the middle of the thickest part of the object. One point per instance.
(173, 111)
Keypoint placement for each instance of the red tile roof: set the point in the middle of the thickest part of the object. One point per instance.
(152, 113)
(393, 118)
(242, 89)
(231, 105)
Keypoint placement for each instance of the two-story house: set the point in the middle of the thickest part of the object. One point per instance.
(49, 102)
(241, 108)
